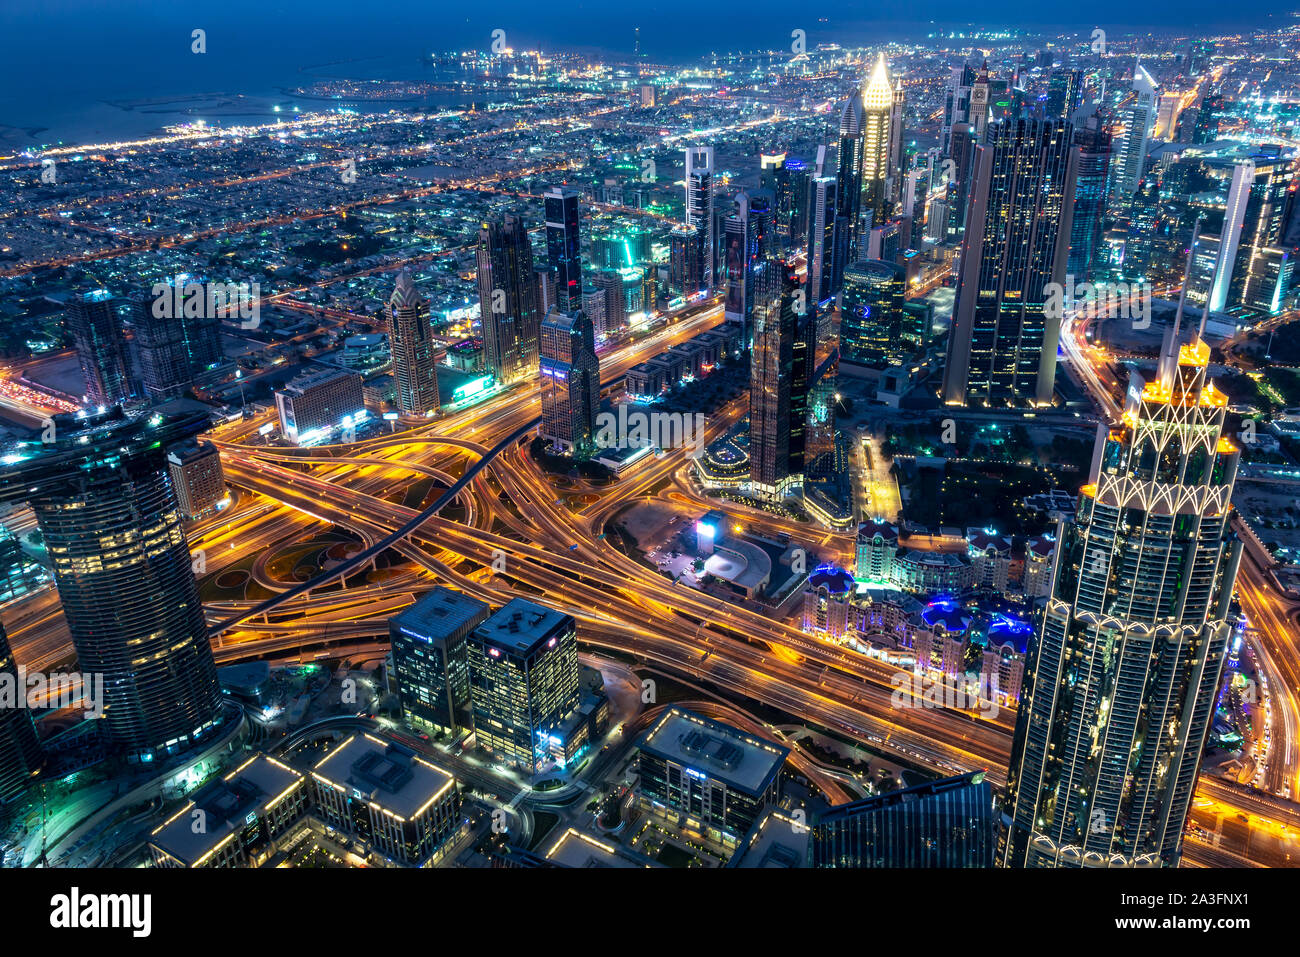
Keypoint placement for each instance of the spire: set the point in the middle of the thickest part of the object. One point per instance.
(878, 94)
(405, 294)
(1169, 351)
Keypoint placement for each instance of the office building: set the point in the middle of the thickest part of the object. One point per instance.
(699, 208)
(849, 176)
(771, 379)
(429, 662)
(414, 350)
(686, 262)
(1003, 341)
(96, 333)
(20, 749)
(200, 484)
(878, 140)
(238, 820)
(523, 672)
(1064, 93)
(176, 348)
(871, 314)
(1087, 228)
(507, 297)
(570, 374)
(563, 246)
(828, 237)
(313, 405)
(749, 239)
(106, 509)
(956, 104)
(405, 809)
(707, 779)
(946, 823)
(1138, 122)
(1121, 681)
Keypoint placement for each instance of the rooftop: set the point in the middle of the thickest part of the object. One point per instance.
(725, 753)
(521, 625)
(385, 774)
(440, 612)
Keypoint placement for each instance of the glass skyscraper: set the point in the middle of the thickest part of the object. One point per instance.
(1120, 683)
(507, 295)
(1002, 344)
(947, 823)
(20, 750)
(96, 333)
(871, 314)
(106, 508)
(410, 337)
(563, 247)
(570, 374)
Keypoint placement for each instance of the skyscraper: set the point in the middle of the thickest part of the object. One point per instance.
(1138, 121)
(176, 347)
(570, 375)
(772, 378)
(871, 314)
(97, 336)
(828, 238)
(429, 659)
(878, 112)
(685, 261)
(750, 237)
(563, 247)
(848, 176)
(1120, 683)
(507, 296)
(699, 207)
(106, 508)
(947, 823)
(523, 675)
(20, 749)
(410, 337)
(1064, 93)
(956, 105)
(1002, 344)
(1092, 138)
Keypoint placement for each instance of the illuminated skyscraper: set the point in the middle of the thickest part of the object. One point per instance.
(410, 337)
(1139, 121)
(507, 298)
(563, 246)
(685, 261)
(20, 749)
(1002, 344)
(750, 238)
(871, 314)
(1086, 229)
(772, 378)
(848, 177)
(570, 375)
(96, 333)
(175, 348)
(699, 207)
(1120, 684)
(523, 677)
(112, 528)
(828, 237)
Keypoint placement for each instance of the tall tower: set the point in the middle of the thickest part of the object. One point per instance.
(981, 93)
(772, 378)
(1139, 119)
(1094, 142)
(699, 207)
(828, 236)
(410, 338)
(563, 248)
(1120, 684)
(894, 169)
(507, 296)
(106, 508)
(176, 347)
(20, 749)
(1002, 344)
(101, 349)
(750, 238)
(848, 178)
(570, 374)
(877, 140)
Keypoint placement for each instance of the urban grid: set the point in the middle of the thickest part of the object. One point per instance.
(857, 450)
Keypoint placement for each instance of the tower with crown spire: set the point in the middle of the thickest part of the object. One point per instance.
(1121, 681)
(410, 339)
